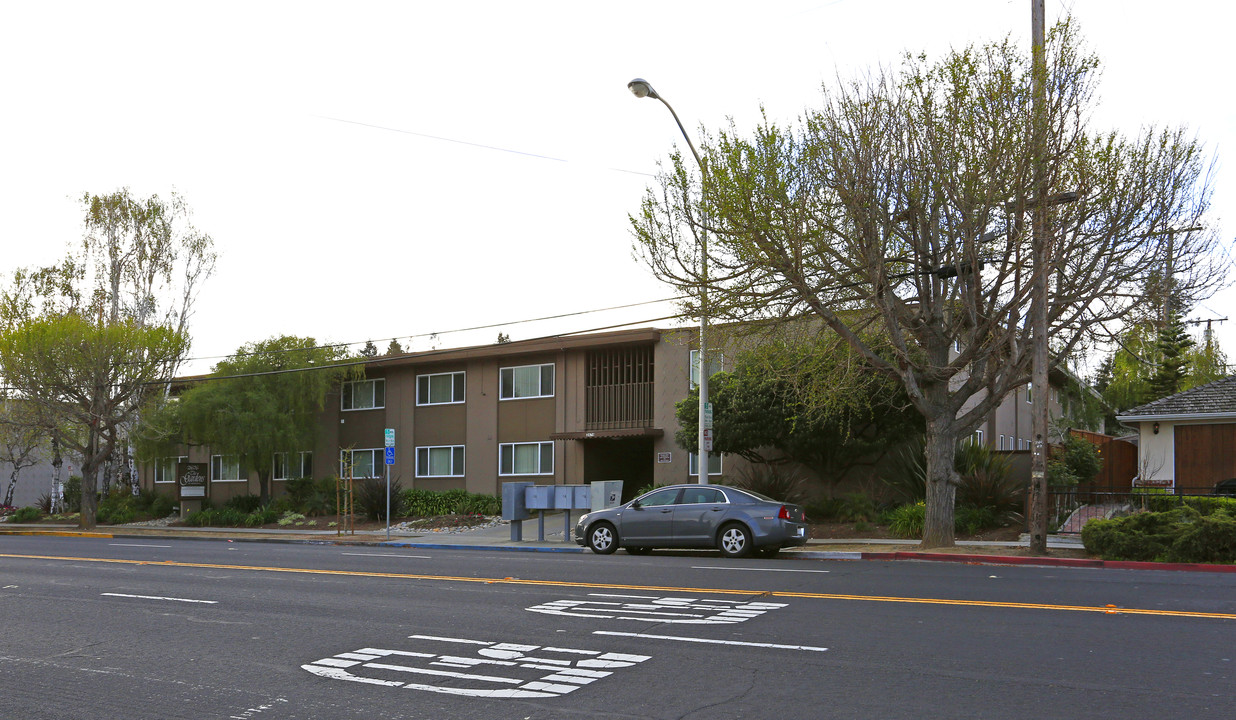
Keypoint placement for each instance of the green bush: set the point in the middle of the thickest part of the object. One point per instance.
(1203, 504)
(1075, 461)
(907, 520)
(161, 506)
(370, 496)
(73, 493)
(821, 508)
(857, 507)
(244, 503)
(430, 503)
(986, 480)
(310, 496)
(26, 514)
(970, 520)
(479, 504)
(1179, 535)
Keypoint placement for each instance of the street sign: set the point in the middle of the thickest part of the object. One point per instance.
(707, 416)
(707, 440)
(390, 455)
(390, 437)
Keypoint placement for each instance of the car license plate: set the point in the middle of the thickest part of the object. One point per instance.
(799, 532)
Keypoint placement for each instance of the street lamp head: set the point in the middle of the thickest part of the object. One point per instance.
(642, 88)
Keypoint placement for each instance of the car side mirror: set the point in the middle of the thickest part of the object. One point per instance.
(635, 505)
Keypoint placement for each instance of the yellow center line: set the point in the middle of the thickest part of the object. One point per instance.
(1110, 610)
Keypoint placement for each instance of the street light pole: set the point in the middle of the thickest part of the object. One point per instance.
(642, 88)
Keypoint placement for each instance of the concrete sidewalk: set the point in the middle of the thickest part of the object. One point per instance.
(498, 538)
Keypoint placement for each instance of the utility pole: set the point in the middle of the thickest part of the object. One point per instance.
(1041, 250)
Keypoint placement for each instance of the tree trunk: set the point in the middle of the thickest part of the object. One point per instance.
(264, 487)
(8, 494)
(941, 487)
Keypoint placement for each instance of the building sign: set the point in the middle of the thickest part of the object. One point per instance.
(1165, 483)
(191, 478)
(665, 457)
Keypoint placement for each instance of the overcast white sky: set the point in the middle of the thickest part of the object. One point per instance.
(302, 134)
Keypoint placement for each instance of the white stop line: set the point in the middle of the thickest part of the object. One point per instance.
(475, 668)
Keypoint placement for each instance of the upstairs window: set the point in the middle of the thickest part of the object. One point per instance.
(227, 468)
(440, 389)
(527, 381)
(363, 395)
(535, 458)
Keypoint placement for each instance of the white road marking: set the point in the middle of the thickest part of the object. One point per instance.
(712, 642)
(421, 557)
(156, 597)
(722, 567)
(137, 545)
(690, 611)
(533, 676)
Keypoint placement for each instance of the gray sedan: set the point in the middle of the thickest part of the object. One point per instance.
(736, 522)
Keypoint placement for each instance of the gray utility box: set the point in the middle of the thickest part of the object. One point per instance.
(606, 494)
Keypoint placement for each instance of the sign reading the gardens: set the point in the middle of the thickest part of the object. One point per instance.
(191, 477)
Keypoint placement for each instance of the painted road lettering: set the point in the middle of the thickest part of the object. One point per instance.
(686, 611)
(475, 668)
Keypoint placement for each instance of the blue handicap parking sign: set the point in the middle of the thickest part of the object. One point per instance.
(390, 456)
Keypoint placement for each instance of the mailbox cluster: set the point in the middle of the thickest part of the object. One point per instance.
(520, 498)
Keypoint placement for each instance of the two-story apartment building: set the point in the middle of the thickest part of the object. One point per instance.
(566, 409)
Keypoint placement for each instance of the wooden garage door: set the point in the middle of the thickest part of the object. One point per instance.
(1205, 454)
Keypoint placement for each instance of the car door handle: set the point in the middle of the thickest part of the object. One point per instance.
(665, 511)
(716, 509)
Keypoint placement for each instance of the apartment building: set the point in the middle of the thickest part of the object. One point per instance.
(569, 409)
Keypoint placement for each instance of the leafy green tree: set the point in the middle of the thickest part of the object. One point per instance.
(85, 378)
(22, 441)
(261, 401)
(904, 201)
(813, 404)
(118, 304)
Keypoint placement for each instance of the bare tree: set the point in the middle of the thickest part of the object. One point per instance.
(902, 204)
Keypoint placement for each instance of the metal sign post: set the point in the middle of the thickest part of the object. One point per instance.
(390, 460)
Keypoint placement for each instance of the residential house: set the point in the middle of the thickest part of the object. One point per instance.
(1187, 441)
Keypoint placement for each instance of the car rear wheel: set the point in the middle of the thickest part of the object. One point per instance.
(734, 541)
(602, 538)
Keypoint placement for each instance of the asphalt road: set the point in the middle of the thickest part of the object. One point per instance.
(112, 628)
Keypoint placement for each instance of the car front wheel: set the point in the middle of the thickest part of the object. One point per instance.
(734, 541)
(602, 538)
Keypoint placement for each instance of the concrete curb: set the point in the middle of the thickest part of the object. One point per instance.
(795, 554)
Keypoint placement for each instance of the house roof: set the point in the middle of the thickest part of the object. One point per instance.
(1211, 401)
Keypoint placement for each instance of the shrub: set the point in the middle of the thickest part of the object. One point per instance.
(480, 504)
(775, 481)
(986, 480)
(907, 473)
(161, 506)
(969, 520)
(311, 496)
(907, 520)
(290, 518)
(1144, 536)
(73, 493)
(1074, 461)
(1211, 539)
(26, 514)
(370, 496)
(821, 508)
(1203, 504)
(857, 507)
(244, 503)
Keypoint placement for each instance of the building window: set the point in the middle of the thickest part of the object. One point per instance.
(440, 389)
(716, 361)
(1030, 392)
(301, 467)
(714, 464)
(226, 468)
(441, 461)
(165, 468)
(1001, 442)
(536, 458)
(363, 395)
(528, 381)
(976, 438)
(364, 463)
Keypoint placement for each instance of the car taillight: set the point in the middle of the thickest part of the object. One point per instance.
(784, 513)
